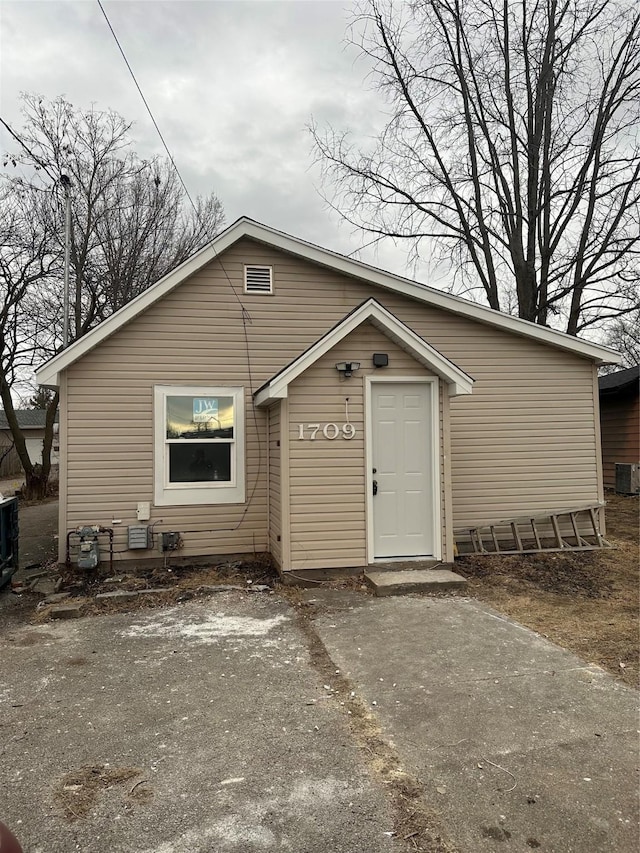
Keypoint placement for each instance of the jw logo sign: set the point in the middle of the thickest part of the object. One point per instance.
(204, 409)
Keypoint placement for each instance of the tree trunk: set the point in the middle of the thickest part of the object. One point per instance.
(36, 476)
(36, 484)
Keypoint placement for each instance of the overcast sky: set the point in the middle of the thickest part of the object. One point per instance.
(232, 85)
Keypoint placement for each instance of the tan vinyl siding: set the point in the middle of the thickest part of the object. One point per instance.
(275, 485)
(524, 439)
(111, 467)
(328, 477)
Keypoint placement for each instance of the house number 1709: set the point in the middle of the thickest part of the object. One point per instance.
(330, 431)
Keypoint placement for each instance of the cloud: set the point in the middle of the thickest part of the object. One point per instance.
(233, 86)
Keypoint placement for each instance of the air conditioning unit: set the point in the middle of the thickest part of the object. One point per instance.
(627, 478)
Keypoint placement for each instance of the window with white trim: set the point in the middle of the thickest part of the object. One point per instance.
(199, 445)
(258, 279)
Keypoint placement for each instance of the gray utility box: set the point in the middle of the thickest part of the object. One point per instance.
(139, 537)
(627, 478)
(170, 541)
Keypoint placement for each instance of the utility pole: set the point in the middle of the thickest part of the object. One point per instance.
(66, 185)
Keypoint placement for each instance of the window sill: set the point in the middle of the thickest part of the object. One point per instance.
(199, 497)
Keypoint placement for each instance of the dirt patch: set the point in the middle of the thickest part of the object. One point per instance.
(31, 639)
(78, 791)
(258, 569)
(586, 601)
(415, 824)
(178, 584)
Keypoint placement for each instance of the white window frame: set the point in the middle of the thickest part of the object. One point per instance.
(187, 494)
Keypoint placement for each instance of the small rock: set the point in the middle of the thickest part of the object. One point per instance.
(186, 596)
(220, 588)
(34, 571)
(66, 611)
(45, 586)
(56, 597)
(117, 595)
(154, 591)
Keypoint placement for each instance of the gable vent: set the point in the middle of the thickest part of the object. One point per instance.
(258, 279)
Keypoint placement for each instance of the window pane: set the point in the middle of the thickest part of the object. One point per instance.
(199, 417)
(199, 463)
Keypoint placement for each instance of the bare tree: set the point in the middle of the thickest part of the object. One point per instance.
(29, 264)
(511, 149)
(131, 225)
(40, 398)
(623, 334)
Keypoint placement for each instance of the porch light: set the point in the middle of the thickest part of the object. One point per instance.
(347, 368)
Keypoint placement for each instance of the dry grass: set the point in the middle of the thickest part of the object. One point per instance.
(587, 601)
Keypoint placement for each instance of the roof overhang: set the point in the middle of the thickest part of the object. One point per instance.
(370, 311)
(48, 373)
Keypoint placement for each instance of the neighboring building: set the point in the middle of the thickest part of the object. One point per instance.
(619, 421)
(31, 422)
(269, 395)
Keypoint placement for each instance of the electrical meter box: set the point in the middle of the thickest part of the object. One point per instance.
(139, 537)
(170, 541)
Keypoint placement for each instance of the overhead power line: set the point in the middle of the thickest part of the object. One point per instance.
(145, 102)
(245, 316)
(29, 151)
(245, 313)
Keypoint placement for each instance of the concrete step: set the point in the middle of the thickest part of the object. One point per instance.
(409, 565)
(417, 580)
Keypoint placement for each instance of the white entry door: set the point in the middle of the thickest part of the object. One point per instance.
(402, 478)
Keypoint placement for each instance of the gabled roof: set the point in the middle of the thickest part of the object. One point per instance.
(27, 418)
(370, 311)
(48, 373)
(622, 380)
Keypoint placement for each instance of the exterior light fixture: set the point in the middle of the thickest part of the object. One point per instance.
(347, 368)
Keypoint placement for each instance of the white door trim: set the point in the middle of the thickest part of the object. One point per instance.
(436, 466)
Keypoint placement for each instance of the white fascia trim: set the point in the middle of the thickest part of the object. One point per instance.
(48, 373)
(458, 381)
(430, 296)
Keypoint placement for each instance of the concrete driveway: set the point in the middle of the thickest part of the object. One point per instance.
(518, 743)
(346, 723)
(211, 709)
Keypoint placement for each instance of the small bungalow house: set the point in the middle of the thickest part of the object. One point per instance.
(270, 395)
(620, 425)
